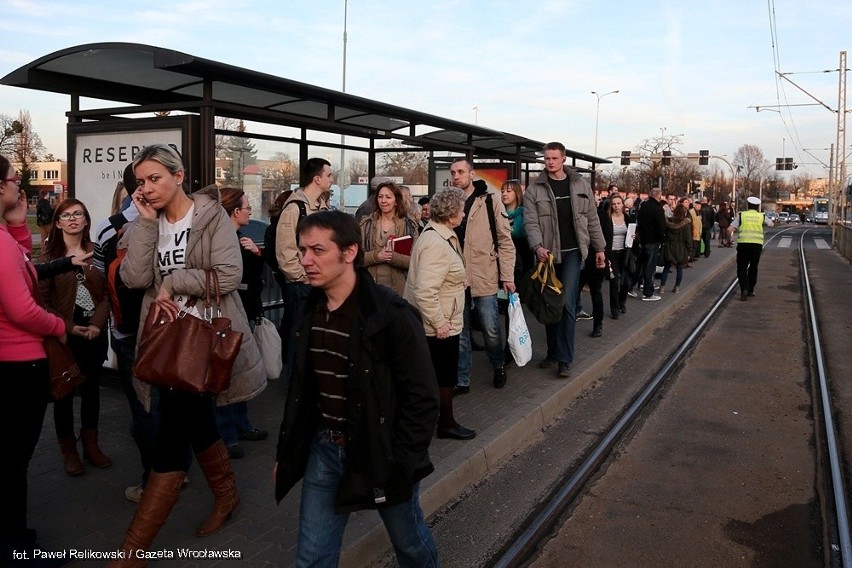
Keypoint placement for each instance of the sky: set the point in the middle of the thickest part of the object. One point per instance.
(695, 69)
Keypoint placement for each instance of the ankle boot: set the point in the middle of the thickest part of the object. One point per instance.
(216, 465)
(70, 457)
(160, 495)
(91, 452)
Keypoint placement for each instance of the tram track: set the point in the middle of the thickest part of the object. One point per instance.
(540, 525)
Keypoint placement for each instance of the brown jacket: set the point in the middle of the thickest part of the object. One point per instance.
(60, 293)
(480, 254)
(391, 274)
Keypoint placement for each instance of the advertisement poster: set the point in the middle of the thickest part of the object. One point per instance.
(100, 159)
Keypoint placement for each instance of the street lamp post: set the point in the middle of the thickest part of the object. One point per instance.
(598, 114)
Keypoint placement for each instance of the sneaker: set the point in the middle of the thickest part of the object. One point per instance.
(633, 294)
(134, 493)
(236, 452)
(661, 290)
(676, 289)
(564, 371)
(459, 389)
(547, 363)
(653, 298)
(254, 435)
(582, 315)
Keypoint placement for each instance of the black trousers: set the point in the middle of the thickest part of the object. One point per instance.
(22, 409)
(185, 419)
(748, 257)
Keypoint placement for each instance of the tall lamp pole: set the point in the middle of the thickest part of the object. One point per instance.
(598, 114)
(343, 137)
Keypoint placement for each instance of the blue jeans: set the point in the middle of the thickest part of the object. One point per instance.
(321, 528)
(143, 424)
(664, 277)
(650, 255)
(232, 420)
(489, 317)
(560, 335)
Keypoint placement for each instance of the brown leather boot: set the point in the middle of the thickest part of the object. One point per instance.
(160, 495)
(91, 451)
(70, 457)
(216, 465)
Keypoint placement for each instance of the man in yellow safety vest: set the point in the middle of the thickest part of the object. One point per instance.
(749, 227)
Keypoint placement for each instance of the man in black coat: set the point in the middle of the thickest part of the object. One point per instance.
(362, 404)
(651, 232)
(708, 219)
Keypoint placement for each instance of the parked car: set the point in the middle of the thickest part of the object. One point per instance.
(794, 218)
(783, 217)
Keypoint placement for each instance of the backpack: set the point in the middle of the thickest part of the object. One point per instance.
(125, 303)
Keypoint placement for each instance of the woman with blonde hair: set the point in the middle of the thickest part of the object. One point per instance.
(386, 263)
(175, 241)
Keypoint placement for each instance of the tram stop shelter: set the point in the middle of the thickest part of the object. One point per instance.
(152, 94)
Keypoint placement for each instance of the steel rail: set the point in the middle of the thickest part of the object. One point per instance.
(524, 545)
(837, 480)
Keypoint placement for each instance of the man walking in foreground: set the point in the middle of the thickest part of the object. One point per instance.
(362, 404)
(749, 226)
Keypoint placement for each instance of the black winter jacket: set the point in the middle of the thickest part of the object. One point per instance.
(391, 403)
(651, 223)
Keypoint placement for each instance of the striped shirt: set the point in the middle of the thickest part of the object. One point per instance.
(329, 359)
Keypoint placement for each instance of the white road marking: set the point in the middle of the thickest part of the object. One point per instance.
(821, 244)
(785, 242)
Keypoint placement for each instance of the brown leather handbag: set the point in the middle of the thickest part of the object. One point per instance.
(65, 375)
(189, 354)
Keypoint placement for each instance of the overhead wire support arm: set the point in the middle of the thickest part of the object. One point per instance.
(784, 76)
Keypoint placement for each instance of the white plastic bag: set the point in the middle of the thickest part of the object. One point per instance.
(520, 342)
(269, 344)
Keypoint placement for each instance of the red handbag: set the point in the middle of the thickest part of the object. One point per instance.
(189, 354)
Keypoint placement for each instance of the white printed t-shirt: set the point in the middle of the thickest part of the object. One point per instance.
(171, 250)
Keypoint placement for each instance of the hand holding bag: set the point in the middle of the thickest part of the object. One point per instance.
(541, 291)
(190, 354)
(520, 342)
(269, 344)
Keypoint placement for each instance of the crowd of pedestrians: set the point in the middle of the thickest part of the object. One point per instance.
(381, 311)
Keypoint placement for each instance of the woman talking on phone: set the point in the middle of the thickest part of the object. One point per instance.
(23, 364)
(175, 240)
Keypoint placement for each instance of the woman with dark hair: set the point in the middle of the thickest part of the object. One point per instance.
(435, 286)
(233, 420)
(388, 220)
(175, 241)
(619, 282)
(79, 298)
(678, 246)
(724, 216)
(23, 365)
(512, 196)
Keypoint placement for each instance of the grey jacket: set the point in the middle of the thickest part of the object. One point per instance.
(212, 244)
(542, 223)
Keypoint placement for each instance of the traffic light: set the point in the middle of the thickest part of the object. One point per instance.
(703, 157)
(788, 164)
(625, 158)
(779, 163)
(696, 187)
(667, 157)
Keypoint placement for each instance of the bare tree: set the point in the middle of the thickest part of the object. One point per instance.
(280, 171)
(409, 164)
(751, 166)
(26, 147)
(357, 167)
(9, 129)
(222, 141)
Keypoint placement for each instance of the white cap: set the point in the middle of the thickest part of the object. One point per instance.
(754, 200)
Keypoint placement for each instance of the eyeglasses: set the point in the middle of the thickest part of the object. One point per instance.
(69, 214)
(246, 208)
(15, 180)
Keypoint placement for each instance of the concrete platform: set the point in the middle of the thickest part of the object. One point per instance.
(91, 513)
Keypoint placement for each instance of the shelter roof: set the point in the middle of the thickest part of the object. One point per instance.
(164, 79)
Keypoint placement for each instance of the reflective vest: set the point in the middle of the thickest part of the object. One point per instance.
(751, 227)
